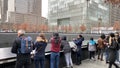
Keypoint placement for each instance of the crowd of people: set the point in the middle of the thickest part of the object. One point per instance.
(23, 45)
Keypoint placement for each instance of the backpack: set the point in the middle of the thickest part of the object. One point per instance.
(114, 45)
(119, 39)
(26, 45)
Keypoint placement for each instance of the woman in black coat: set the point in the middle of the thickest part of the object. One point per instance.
(112, 51)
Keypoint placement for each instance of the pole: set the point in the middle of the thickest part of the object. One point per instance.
(87, 18)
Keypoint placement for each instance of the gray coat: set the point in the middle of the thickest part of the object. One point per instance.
(66, 47)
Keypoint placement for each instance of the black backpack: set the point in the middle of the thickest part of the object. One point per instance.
(114, 45)
(119, 39)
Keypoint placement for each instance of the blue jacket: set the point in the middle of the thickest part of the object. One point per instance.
(78, 42)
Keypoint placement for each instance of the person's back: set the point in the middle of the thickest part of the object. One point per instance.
(40, 46)
(55, 46)
(23, 57)
(101, 43)
(55, 49)
(101, 46)
(112, 51)
(67, 52)
(65, 45)
(92, 48)
(92, 45)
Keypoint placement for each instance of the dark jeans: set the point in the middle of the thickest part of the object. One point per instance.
(39, 61)
(92, 54)
(23, 61)
(78, 56)
(100, 54)
(112, 63)
(117, 56)
(106, 54)
(54, 60)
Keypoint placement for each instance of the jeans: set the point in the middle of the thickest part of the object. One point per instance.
(39, 61)
(78, 56)
(54, 60)
(68, 59)
(106, 54)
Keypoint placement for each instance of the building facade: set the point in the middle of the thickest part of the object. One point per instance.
(24, 11)
(114, 14)
(77, 12)
(3, 10)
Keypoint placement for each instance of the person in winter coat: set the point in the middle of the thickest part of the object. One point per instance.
(67, 52)
(107, 48)
(55, 50)
(112, 51)
(117, 37)
(78, 42)
(92, 48)
(23, 59)
(101, 47)
(40, 46)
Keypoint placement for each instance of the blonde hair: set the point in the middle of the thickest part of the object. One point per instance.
(41, 37)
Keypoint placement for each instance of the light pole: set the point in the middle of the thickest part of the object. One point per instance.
(87, 16)
(99, 24)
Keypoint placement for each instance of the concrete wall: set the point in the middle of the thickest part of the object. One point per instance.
(6, 39)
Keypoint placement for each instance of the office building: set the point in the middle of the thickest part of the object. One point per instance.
(77, 12)
(3, 10)
(114, 14)
(24, 11)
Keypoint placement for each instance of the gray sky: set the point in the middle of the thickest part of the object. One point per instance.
(44, 8)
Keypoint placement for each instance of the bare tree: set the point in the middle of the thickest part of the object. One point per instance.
(116, 25)
(82, 27)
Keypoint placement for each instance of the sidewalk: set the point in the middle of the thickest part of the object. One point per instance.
(93, 64)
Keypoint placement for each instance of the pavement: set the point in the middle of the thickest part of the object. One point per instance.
(93, 64)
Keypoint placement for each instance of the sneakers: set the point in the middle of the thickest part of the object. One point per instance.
(93, 59)
(117, 62)
(68, 67)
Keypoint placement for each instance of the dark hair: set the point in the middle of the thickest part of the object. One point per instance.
(80, 35)
(56, 37)
(64, 38)
(91, 38)
(112, 35)
(103, 36)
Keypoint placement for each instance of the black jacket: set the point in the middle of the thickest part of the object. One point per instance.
(16, 45)
(112, 52)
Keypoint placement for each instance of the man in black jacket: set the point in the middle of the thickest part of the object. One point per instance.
(118, 40)
(23, 60)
